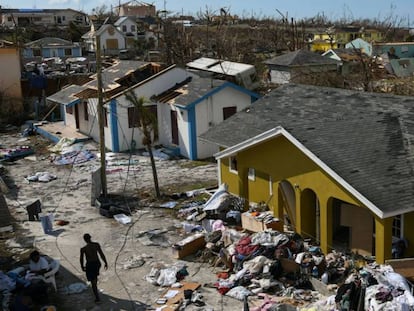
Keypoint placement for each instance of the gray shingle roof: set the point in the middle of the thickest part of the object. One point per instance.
(66, 95)
(366, 138)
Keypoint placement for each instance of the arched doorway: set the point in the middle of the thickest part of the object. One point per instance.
(287, 201)
(310, 215)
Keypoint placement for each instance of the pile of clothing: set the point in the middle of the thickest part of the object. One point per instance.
(284, 265)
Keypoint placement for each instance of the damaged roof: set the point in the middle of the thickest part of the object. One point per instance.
(195, 89)
(300, 58)
(365, 138)
(66, 95)
(189, 91)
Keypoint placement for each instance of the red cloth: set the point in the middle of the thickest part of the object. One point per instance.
(244, 246)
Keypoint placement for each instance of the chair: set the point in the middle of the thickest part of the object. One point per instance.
(50, 275)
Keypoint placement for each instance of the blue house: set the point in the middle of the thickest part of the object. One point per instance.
(394, 49)
(52, 47)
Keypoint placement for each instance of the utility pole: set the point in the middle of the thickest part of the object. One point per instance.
(101, 116)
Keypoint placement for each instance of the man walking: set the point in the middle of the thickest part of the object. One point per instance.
(93, 264)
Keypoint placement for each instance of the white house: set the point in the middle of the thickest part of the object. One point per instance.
(185, 104)
(191, 108)
(79, 103)
(128, 26)
(42, 17)
(112, 40)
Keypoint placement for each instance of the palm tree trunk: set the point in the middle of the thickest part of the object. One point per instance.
(154, 171)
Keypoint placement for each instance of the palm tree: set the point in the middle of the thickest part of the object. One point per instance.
(147, 124)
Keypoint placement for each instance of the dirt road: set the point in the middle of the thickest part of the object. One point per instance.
(68, 198)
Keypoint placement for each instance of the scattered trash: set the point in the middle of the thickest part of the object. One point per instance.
(74, 288)
(74, 157)
(122, 219)
(154, 237)
(167, 275)
(61, 222)
(14, 154)
(170, 204)
(41, 177)
(134, 262)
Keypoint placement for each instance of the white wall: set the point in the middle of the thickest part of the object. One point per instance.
(154, 86)
(279, 77)
(210, 113)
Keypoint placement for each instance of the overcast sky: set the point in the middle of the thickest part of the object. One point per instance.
(334, 9)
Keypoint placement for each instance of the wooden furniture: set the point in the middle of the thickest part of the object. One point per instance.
(250, 223)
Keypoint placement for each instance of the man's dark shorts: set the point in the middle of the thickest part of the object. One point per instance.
(92, 270)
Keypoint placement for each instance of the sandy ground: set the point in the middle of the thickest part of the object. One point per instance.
(68, 198)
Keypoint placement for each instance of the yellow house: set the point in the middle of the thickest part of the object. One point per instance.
(336, 164)
(343, 35)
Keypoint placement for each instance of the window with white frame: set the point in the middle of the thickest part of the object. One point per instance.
(233, 164)
(252, 174)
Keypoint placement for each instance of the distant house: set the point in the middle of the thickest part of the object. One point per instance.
(361, 45)
(112, 40)
(350, 60)
(337, 164)
(284, 68)
(189, 109)
(346, 34)
(403, 67)
(244, 75)
(42, 17)
(52, 47)
(136, 9)
(394, 49)
(128, 26)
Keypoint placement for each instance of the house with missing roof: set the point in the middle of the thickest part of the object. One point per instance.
(289, 66)
(335, 165)
(351, 60)
(185, 105)
(78, 104)
(190, 108)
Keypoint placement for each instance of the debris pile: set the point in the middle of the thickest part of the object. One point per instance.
(274, 269)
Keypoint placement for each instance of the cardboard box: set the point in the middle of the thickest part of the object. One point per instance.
(252, 224)
(173, 303)
(189, 245)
